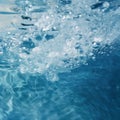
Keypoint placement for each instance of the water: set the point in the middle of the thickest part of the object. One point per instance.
(59, 60)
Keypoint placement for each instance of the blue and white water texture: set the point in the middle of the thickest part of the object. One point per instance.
(59, 59)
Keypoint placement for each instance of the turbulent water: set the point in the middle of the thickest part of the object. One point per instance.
(59, 60)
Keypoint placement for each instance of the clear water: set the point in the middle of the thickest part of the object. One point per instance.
(59, 60)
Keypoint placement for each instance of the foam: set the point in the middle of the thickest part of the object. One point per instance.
(76, 32)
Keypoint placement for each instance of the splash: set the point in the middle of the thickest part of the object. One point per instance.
(56, 36)
(42, 38)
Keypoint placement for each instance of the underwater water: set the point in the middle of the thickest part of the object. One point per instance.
(59, 60)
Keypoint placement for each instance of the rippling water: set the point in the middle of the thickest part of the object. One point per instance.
(59, 60)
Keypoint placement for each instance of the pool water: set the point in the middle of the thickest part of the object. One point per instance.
(59, 60)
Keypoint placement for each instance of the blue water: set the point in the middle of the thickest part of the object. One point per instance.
(59, 60)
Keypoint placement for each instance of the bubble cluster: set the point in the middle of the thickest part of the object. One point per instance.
(52, 38)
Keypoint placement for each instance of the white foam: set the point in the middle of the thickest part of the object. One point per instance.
(77, 30)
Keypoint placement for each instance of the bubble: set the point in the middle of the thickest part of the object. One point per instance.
(61, 37)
